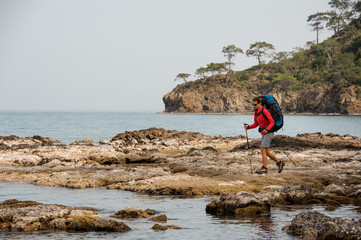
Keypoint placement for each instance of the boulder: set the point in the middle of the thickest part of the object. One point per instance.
(336, 189)
(163, 228)
(130, 213)
(306, 224)
(159, 218)
(340, 229)
(240, 204)
(296, 193)
(315, 225)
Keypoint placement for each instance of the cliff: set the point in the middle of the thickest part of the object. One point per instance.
(223, 99)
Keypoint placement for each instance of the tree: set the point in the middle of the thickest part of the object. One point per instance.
(340, 15)
(230, 52)
(331, 47)
(315, 21)
(280, 56)
(201, 72)
(260, 50)
(357, 9)
(183, 76)
(216, 68)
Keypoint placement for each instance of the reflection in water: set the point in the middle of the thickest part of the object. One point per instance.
(266, 225)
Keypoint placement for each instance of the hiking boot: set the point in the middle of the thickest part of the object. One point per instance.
(280, 166)
(263, 170)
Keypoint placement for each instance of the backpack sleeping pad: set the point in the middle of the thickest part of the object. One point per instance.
(273, 107)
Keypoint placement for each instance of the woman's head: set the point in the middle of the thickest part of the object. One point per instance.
(257, 102)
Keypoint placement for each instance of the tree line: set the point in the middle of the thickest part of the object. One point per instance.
(260, 50)
(336, 60)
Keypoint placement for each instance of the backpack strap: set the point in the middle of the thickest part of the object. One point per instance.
(264, 115)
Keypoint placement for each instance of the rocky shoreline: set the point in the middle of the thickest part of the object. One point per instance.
(323, 169)
(219, 98)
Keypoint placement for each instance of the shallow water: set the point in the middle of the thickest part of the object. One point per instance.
(188, 213)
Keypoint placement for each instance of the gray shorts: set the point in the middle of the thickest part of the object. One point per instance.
(267, 139)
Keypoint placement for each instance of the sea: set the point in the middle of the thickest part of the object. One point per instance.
(69, 126)
(187, 213)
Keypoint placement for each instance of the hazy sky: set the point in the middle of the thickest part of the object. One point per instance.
(125, 54)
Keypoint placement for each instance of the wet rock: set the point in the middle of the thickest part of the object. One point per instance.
(33, 216)
(340, 229)
(240, 204)
(150, 211)
(110, 226)
(163, 228)
(315, 225)
(297, 193)
(130, 213)
(306, 224)
(159, 218)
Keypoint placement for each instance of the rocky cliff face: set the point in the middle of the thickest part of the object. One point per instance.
(320, 99)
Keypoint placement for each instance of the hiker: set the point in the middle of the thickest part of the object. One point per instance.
(265, 122)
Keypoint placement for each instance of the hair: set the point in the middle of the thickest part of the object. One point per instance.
(258, 98)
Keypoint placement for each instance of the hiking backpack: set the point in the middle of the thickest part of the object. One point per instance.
(273, 107)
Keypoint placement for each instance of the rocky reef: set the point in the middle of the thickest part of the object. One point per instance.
(18, 216)
(168, 162)
(320, 169)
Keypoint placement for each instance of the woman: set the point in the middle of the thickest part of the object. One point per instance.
(265, 124)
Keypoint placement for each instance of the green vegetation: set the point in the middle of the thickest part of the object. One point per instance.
(260, 50)
(183, 76)
(336, 61)
(230, 53)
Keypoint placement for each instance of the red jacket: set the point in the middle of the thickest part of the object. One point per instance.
(261, 121)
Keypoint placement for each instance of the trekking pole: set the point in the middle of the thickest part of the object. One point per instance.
(281, 150)
(249, 159)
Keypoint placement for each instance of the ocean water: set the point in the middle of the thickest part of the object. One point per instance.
(188, 213)
(69, 126)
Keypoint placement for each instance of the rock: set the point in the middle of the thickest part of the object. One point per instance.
(110, 226)
(297, 193)
(104, 142)
(159, 218)
(33, 216)
(130, 213)
(340, 229)
(306, 224)
(315, 225)
(240, 204)
(336, 189)
(163, 228)
(150, 211)
(86, 140)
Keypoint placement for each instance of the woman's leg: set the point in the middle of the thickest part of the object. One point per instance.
(271, 155)
(264, 156)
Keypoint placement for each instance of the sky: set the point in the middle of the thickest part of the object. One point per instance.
(124, 55)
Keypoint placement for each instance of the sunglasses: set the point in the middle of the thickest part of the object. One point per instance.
(255, 104)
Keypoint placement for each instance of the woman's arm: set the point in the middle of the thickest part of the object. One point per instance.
(269, 118)
(255, 124)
